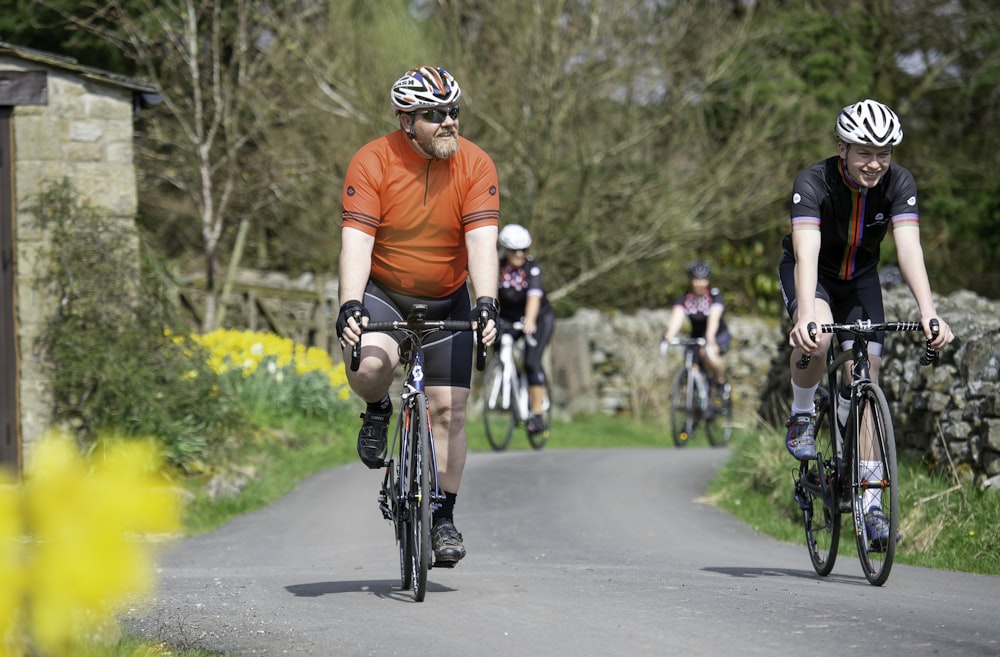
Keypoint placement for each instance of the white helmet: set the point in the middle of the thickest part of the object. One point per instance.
(515, 237)
(869, 122)
(427, 86)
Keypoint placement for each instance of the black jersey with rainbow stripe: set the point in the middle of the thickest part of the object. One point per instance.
(852, 221)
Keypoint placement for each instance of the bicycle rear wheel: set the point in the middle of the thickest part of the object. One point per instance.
(719, 425)
(420, 498)
(820, 512)
(539, 438)
(498, 407)
(682, 422)
(874, 484)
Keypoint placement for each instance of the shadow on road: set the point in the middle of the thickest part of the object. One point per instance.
(749, 572)
(387, 588)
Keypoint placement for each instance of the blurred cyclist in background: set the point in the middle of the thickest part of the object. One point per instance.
(522, 299)
(702, 306)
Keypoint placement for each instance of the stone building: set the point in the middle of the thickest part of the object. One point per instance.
(59, 120)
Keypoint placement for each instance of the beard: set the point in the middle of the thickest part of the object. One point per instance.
(441, 149)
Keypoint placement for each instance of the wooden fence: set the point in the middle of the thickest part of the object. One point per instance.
(303, 310)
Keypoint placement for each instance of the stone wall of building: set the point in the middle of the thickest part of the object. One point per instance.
(84, 134)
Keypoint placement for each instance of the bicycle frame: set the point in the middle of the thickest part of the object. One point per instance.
(692, 403)
(509, 390)
(855, 467)
(506, 398)
(410, 488)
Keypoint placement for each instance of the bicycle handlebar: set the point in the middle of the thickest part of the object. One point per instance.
(511, 327)
(867, 329)
(687, 342)
(420, 325)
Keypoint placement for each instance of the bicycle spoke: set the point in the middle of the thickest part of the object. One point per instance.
(874, 489)
(816, 495)
(681, 410)
(498, 407)
(420, 500)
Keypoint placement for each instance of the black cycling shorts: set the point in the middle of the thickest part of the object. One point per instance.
(859, 298)
(447, 354)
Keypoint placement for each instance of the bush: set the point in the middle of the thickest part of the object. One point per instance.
(111, 365)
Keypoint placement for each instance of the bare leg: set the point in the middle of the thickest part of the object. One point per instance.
(450, 441)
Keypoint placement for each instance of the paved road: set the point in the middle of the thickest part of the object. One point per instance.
(570, 553)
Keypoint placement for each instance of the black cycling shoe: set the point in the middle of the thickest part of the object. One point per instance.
(373, 437)
(447, 543)
(536, 424)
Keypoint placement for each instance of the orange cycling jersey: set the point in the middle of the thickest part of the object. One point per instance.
(419, 211)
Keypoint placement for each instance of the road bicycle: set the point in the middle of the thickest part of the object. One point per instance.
(410, 490)
(694, 402)
(505, 393)
(855, 467)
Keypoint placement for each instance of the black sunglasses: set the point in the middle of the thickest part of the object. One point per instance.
(438, 115)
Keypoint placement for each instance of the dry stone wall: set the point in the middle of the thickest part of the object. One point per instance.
(947, 415)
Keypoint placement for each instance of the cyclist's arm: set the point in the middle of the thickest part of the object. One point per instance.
(355, 268)
(531, 307)
(805, 243)
(712, 327)
(677, 317)
(484, 268)
(911, 264)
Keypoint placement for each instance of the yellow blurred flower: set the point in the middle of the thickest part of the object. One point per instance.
(246, 350)
(85, 519)
(12, 589)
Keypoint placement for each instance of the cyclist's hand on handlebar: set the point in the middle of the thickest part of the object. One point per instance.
(352, 316)
(486, 307)
(944, 335)
(801, 338)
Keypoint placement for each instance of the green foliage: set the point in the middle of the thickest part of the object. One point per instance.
(111, 366)
(942, 526)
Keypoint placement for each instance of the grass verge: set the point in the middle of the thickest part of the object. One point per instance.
(943, 525)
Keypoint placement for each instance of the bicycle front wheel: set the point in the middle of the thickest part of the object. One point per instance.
(420, 498)
(816, 493)
(719, 425)
(874, 485)
(682, 409)
(499, 408)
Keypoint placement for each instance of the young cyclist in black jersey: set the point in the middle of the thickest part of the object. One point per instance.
(841, 210)
(522, 299)
(702, 305)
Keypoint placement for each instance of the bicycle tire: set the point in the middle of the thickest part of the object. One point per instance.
(400, 504)
(538, 439)
(719, 426)
(682, 422)
(876, 556)
(420, 498)
(820, 513)
(499, 414)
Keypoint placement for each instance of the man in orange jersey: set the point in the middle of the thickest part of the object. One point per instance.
(421, 207)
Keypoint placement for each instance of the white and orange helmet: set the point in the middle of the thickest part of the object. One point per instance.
(423, 87)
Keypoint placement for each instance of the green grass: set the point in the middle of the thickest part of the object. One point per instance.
(942, 526)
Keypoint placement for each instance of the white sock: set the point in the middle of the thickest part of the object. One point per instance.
(872, 471)
(803, 399)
